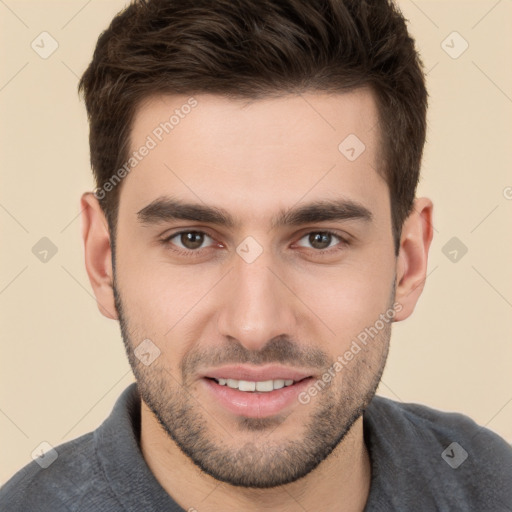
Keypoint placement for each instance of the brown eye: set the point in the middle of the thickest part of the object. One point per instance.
(192, 239)
(321, 240)
(189, 240)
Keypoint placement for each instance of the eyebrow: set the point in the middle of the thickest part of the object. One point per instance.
(165, 209)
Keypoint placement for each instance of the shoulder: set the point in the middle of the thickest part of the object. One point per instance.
(448, 451)
(435, 424)
(60, 486)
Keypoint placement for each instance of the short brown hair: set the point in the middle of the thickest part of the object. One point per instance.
(256, 49)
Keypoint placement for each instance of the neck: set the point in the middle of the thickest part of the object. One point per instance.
(340, 483)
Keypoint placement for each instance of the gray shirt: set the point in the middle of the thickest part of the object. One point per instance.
(422, 460)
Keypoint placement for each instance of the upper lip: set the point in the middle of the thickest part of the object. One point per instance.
(257, 374)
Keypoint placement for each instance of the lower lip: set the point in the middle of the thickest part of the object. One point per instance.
(254, 404)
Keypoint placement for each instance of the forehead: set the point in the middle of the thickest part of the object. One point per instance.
(255, 156)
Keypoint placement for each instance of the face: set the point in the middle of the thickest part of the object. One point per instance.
(251, 248)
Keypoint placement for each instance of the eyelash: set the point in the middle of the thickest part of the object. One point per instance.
(198, 252)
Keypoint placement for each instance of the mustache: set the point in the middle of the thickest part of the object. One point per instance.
(278, 350)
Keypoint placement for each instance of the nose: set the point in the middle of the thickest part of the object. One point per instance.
(256, 303)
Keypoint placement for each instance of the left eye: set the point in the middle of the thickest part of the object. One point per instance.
(321, 240)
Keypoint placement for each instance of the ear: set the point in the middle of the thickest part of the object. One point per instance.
(417, 233)
(98, 254)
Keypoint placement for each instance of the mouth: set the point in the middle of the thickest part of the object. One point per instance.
(262, 386)
(255, 398)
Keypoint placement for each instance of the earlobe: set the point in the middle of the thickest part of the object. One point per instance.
(417, 233)
(98, 254)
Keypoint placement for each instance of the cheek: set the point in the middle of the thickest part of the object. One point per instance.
(347, 299)
(158, 296)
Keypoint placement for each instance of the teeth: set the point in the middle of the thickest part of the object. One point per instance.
(267, 385)
(263, 386)
(232, 383)
(245, 385)
(278, 384)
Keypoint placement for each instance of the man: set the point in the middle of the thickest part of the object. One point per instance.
(255, 231)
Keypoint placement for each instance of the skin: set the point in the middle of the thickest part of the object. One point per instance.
(289, 305)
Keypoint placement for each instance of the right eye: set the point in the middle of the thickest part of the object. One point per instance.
(189, 242)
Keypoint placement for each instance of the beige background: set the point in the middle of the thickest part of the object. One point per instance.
(63, 364)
